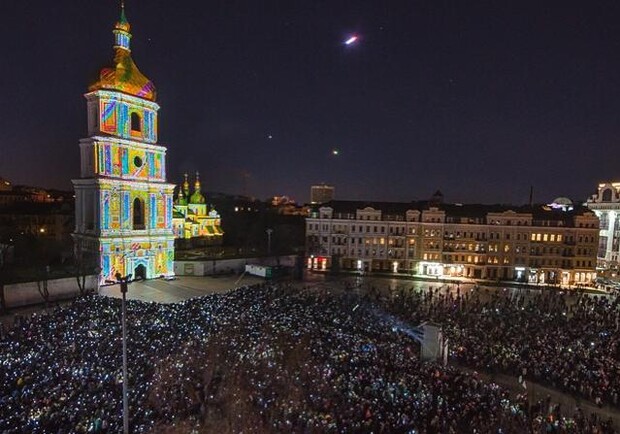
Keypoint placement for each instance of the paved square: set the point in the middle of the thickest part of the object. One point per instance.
(183, 288)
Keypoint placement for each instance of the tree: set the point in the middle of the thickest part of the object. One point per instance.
(42, 286)
(84, 265)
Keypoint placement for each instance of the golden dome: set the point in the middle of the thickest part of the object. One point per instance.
(122, 23)
(124, 76)
(197, 197)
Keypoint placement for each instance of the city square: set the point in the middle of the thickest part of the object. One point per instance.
(146, 285)
(313, 356)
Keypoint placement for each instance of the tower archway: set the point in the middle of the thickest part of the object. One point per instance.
(139, 272)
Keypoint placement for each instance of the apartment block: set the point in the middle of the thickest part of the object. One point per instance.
(535, 244)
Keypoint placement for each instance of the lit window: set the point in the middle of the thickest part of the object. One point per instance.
(538, 237)
(552, 237)
(533, 237)
(545, 237)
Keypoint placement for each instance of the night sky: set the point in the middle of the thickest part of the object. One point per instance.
(480, 99)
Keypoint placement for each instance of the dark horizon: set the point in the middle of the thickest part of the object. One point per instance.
(478, 100)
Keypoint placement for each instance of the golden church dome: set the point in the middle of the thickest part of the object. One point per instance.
(122, 23)
(124, 76)
(197, 197)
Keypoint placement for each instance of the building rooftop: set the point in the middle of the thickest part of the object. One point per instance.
(538, 211)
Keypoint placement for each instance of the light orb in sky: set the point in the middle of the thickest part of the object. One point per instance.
(335, 152)
(351, 40)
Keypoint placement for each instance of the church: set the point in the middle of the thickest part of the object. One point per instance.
(194, 224)
(124, 205)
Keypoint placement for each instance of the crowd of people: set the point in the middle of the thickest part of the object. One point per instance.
(273, 358)
(568, 341)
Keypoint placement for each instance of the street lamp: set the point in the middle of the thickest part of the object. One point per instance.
(123, 281)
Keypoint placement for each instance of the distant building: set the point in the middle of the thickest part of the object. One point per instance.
(322, 193)
(11, 197)
(287, 206)
(278, 201)
(53, 220)
(535, 244)
(5, 185)
(606, 205)
(14, 194)
(192, 220)
(237, 204)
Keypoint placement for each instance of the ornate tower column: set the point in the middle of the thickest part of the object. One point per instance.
(123, 202)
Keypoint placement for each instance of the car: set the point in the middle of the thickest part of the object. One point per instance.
(170, 277)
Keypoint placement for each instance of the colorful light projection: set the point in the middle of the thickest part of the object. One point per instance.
(124, 75)
(123, 161)
(116, 112)
(193, 219)
(117, 207)
(157, 255)
(187, 224)
(134, 225)
(122, 40)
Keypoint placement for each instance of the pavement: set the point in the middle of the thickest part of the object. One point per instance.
(157, 290)
(182, 288)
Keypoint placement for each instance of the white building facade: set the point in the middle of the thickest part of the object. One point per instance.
(530, 244)
(606, 205)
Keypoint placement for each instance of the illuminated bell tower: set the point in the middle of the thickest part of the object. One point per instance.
(123, 204)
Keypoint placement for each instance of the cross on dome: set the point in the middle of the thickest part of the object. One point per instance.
(197, 197)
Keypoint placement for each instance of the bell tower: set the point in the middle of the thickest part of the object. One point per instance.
(123, 208)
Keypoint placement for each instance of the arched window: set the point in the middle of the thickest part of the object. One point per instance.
(136, 124)
(138, 214)
(607, 195)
